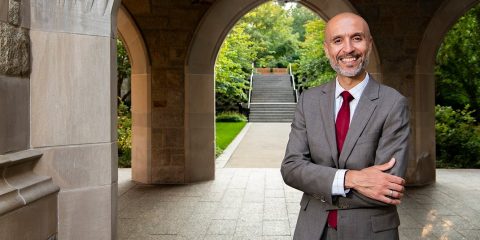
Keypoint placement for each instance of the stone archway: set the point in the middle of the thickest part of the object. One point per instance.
(421, 170)
(141, 96)
(199, 77)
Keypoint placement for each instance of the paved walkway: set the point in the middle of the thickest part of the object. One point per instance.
(263, 146)
(254, 203)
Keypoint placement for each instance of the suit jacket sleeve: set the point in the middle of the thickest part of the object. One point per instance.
(392, 143)
(297, 169)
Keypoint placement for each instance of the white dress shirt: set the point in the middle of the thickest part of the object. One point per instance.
(339, 181)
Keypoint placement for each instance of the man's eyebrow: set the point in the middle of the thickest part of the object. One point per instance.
(362, 34)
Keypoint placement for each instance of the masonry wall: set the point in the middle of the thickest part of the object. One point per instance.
(168, 28)
(73, 110)
(398, 29)
(28, 201)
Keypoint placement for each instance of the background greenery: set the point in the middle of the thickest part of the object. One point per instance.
(457, 94)
(271, 35)
(274, 35)
(225, 132)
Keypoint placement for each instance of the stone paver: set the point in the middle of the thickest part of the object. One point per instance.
(253, 203)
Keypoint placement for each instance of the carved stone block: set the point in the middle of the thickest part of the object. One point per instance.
(14, 50)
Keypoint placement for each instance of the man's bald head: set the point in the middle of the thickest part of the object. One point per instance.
(347, 18)
(347, 44)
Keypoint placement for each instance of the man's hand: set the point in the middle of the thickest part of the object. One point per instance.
(374, 183)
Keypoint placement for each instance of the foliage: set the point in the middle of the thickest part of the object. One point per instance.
(231, 117)
(301, 15)
(458, 64)
(233, 67)
(457, 138)
(270, 27)
(313, 67)
(124, 131)
(124, 70)
(225, 133)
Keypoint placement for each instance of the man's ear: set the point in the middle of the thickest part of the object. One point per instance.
(325, 49)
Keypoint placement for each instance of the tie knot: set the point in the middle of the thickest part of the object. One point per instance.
(347, 96)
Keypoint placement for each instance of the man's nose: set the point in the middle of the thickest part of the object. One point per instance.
(348, 47)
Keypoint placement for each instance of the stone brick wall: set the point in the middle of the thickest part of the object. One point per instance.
(14, 83)
(167, 27)
(14, 42)
(397, 28)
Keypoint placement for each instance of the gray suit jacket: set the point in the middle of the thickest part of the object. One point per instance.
(378, 131)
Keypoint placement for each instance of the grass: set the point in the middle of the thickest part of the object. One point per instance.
(225, 133)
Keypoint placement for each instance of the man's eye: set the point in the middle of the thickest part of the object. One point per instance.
(336, 41)
(357, 39)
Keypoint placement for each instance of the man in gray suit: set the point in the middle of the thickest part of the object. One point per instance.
(348, 145)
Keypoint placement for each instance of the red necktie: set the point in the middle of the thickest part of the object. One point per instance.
(341, 128)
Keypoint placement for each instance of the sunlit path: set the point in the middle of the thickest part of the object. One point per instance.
(263, 146)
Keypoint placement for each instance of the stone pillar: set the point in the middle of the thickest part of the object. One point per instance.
(28, 201)
(73, 110)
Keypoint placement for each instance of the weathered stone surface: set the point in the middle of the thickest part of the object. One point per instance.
(36, 221)
(14, 12)
(76, 72)
(93, 17)
(88, 213)
(80, 166)
(14, 50)
(15, 109)
(4, 10)
(19, 185)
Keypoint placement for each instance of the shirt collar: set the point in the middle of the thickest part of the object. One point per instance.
(356, 91)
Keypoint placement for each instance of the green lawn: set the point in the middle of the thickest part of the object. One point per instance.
(225, 133)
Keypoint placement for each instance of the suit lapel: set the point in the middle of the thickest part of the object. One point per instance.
(363, 112)
(327, 103)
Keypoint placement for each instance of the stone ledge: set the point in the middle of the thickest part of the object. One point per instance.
(19, 185)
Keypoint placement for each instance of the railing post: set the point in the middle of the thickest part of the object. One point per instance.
(293, 81)
(250, 87)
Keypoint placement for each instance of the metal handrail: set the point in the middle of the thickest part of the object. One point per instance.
(250, 88)
(293, 81)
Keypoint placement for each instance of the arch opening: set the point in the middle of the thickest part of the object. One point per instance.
(199, 77)
(141, 108)
(421, 169)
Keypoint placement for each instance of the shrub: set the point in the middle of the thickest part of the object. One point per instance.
(457, 138)
(124, 131)
(231, 117)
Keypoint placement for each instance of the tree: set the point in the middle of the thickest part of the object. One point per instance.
(270, 27)
(313, 67)
(301, 15)
(124, 70)
(458, 65)
(233, 67)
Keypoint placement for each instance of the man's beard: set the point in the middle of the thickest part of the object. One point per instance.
(350, 72)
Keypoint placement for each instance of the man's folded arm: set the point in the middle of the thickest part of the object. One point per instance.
(392, 144)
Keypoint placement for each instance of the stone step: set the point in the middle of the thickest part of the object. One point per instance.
(272, 105)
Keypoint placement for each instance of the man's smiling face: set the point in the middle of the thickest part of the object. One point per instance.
(348, 44)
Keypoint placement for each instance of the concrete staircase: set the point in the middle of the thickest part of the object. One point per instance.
(273, 98)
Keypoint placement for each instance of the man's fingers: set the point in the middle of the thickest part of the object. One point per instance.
(386, 166)
(388, 200)
(395, 179)
(396, 187)
(393, 194)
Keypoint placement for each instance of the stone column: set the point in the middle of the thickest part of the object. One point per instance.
(28, 201)
(73, 110)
